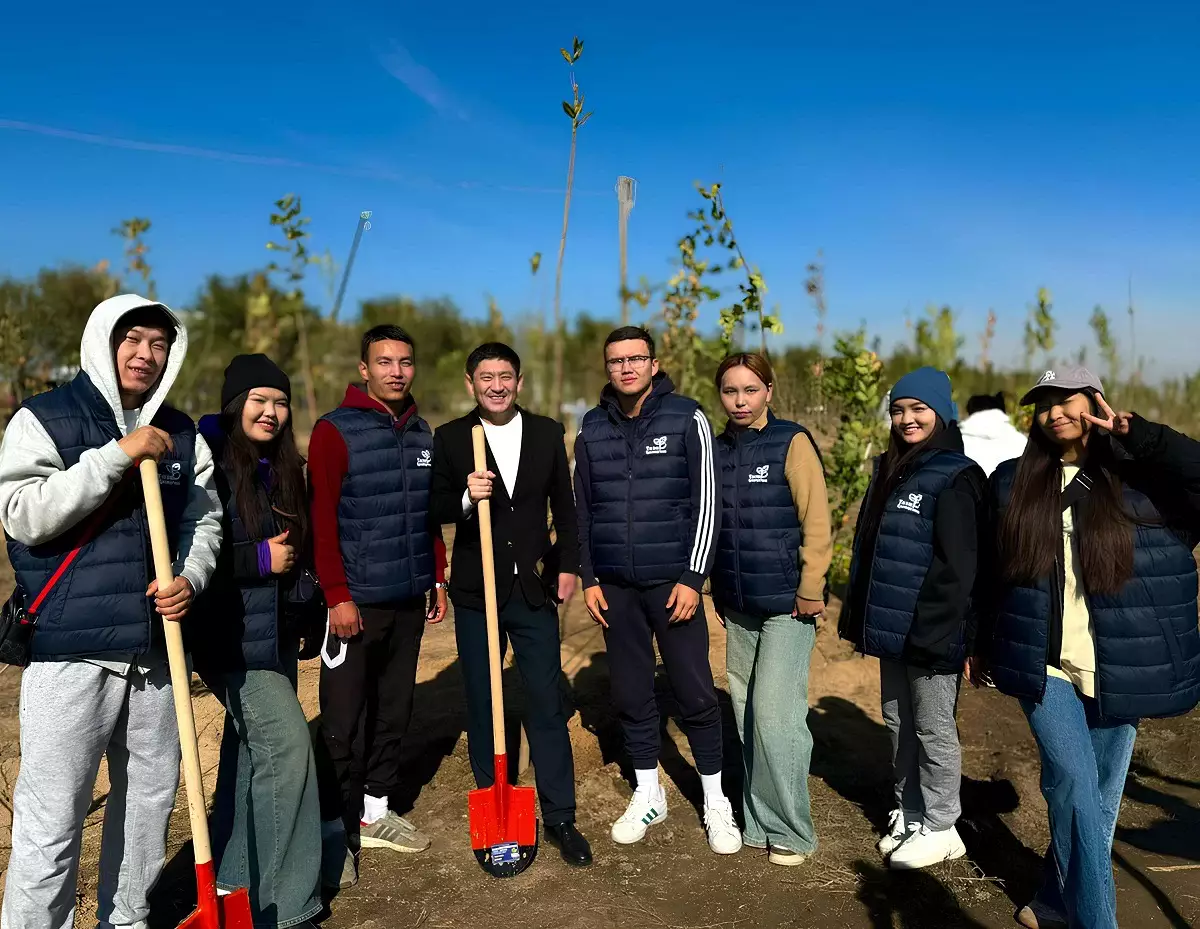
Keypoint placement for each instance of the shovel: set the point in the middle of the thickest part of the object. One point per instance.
(231, 911)
(503, 820)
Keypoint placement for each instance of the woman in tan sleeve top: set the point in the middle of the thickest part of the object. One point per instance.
(768, 585)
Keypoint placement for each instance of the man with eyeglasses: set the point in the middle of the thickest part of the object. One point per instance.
(646, 496)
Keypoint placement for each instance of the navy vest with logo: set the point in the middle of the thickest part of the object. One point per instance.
(903, 555)
(383, 514)
(757, 566)
(1146, 636)
(641, 496)
(99, 608)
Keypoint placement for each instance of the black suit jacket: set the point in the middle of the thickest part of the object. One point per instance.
(520, 530)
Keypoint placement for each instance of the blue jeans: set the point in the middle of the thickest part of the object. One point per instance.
(767, 660)
(1085, 758)
(266, 820)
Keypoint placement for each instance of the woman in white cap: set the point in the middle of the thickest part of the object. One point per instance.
(1093, 621)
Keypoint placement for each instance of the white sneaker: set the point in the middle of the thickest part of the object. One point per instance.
(897, 829)
(786, 857)
(724, 837)
(924, 847)
(644, 810)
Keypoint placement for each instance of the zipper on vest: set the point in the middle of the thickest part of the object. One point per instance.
(398, 434)
(737, 523)
(150, 611)
(629, 509)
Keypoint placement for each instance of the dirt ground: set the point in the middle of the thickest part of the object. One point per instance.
(671, 880)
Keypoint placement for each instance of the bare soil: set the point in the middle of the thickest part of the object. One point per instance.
(672, 880)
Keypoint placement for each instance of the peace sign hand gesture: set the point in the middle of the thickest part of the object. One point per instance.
(1116, 423)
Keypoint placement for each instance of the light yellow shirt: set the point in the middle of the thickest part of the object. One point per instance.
(1077, 658)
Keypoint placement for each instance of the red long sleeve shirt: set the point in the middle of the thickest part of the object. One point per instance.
(328, 463)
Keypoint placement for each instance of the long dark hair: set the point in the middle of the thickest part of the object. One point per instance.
(1030, 531)
(288, 496)
(893, 464)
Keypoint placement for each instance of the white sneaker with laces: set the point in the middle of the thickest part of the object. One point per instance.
(897, 830)
(924, 847)
(645, 810)
(724, 837)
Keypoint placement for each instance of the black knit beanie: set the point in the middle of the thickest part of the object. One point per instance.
(246, 372)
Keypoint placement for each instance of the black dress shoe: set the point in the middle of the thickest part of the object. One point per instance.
(571, 844)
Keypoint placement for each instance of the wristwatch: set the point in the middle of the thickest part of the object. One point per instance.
(439, 585)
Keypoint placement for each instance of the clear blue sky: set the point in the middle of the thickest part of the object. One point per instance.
(938, 152)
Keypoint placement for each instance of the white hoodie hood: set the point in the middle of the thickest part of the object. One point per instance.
(96, 356)
(41, 498)
(990, 438)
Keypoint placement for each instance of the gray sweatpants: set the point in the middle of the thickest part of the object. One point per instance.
(72, 714)
(919, 708)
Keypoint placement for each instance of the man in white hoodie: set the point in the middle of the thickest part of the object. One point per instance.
(989, 437)
(98, 684)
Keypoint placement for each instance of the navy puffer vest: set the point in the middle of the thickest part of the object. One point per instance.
(641, 494)
(902, 556)
(1147, 642)
(757, 567)
(100, 608)
(238, 618)
(383, 515)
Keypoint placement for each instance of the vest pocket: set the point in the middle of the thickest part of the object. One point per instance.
(789, 562)
(1173, 647)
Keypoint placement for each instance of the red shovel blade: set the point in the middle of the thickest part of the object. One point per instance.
(231, 911)
(503, 820)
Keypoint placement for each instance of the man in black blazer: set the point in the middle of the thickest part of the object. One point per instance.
(526, 468)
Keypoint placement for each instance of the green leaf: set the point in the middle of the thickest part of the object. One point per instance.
(585, 119)
(566, 55)
(569, 109)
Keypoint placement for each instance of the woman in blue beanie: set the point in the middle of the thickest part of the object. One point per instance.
(266, 815)
(909, 605)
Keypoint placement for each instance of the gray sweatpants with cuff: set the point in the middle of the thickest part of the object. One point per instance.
(72, 714)
(919, 709)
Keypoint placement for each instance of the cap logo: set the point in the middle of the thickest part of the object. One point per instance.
(1048, 377)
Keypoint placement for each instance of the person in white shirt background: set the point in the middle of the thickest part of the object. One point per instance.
(989, 437)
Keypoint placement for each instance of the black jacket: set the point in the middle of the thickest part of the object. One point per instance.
(520, 530)
(942, 624)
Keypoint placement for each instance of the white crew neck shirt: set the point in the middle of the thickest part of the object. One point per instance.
(505, 443)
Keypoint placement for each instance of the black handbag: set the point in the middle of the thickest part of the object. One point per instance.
(16, 631)
(304, 612)
(17, 623)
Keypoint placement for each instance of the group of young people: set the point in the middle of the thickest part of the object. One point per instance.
(1065, 578)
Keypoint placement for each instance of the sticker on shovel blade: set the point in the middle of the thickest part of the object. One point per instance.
(506, 853)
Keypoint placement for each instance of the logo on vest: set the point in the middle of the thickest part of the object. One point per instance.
(758, 475)
(170, 473)
(911, 504)
(658, 446)
(425, 459)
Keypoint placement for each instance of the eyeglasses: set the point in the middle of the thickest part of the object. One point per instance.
(634, 361)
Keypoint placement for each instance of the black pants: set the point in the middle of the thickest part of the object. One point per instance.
(534, 635)
(366, 704)
(634, 615)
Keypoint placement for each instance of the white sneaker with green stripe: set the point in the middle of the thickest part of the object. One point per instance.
(645, 809)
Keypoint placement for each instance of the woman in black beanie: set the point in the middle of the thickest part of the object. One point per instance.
(266, 816)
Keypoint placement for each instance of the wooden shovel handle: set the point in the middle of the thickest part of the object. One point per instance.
(181, 678)
(483, 510)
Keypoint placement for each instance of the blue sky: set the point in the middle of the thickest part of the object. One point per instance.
(937, 152)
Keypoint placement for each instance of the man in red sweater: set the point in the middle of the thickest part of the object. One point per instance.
(378, 555)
